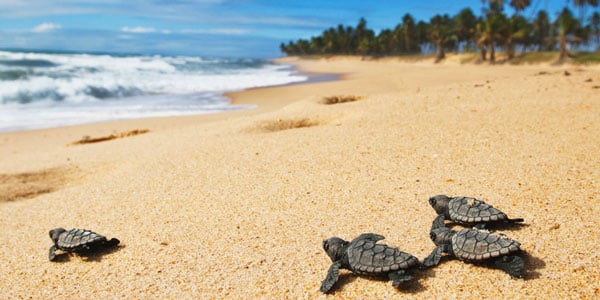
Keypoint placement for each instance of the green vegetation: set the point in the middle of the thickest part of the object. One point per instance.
(587, 57)
(534, 57)
(466, 32)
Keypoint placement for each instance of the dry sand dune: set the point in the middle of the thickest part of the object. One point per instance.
(236, 205)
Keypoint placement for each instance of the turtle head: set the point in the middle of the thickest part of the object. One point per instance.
(439, 233)
(441, 236)
(334, 247)
(55, 233)
(439, 204)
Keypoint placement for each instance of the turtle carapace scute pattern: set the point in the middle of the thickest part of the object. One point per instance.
(468, 210)
(364, 256)
(475, 245)
(78, 241)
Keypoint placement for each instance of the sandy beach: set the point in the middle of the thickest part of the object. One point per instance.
(236, 205)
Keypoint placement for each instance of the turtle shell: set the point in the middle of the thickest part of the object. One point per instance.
(471, 210)
(369, 258)
(477, 245)
(79, 240)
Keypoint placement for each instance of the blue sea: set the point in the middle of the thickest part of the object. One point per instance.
(43, 89)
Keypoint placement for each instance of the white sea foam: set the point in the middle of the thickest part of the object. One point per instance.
(47, 90)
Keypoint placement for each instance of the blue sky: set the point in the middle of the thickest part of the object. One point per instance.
(240, 28)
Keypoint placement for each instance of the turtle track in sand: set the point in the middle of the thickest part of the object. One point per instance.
(26, 185)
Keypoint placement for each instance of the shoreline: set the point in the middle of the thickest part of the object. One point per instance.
(208, 206)
(312, 77)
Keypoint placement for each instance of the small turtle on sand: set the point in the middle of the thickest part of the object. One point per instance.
(467, 210)
(475, 245)
(363, 256)
(78, 241)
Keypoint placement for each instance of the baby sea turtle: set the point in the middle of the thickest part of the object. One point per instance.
(467, 210)
(78, 241)
(475, 245)
(363, 256)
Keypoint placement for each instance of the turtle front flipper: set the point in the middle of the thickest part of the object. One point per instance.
(332, 277)
(434, 258)
(513, 265)
(370, 236)
(52, 254)
(399, 277)
(438, 222)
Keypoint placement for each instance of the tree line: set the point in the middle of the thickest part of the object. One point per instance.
(463, 32)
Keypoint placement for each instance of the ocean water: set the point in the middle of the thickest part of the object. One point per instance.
(42, 90)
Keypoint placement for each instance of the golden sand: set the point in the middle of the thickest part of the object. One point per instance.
(236, 205)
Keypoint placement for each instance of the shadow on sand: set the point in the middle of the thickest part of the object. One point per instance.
(90, 256)
(410, 287)
(532, 264)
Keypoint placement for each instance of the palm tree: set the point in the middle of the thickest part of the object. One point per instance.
(441, 33)
(384, 43)
(465, 24)
(421, 35)
(490, 32)
(595, 26)
(567, 24)
(495, 6)
(363, 38)
(582, 4)
(541, 30)
(518, 30)
(408, 34)
(519, 5)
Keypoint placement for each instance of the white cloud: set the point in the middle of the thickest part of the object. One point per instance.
(141, 29)
(223, 31)
(138, 29)
(45, 27)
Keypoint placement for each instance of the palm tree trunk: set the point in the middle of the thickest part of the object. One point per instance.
(564, 52)
(492, 52)
(483, 52)
(510, 49)
(441, 54)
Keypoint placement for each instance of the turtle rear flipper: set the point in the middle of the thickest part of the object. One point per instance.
(399, 277)
(513, 265)
(515, 220)
(111, 243)
(332, 277)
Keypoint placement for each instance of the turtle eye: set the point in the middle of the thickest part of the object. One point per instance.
(433, 236)
(325, 245)
(432, 201)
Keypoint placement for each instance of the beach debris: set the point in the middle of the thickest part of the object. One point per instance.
(468, 210)
(363, 256)
(340, 99)
(89, 140)
(475, 245)
(78, 241)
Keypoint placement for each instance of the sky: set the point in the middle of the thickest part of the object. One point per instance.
(218, 28)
